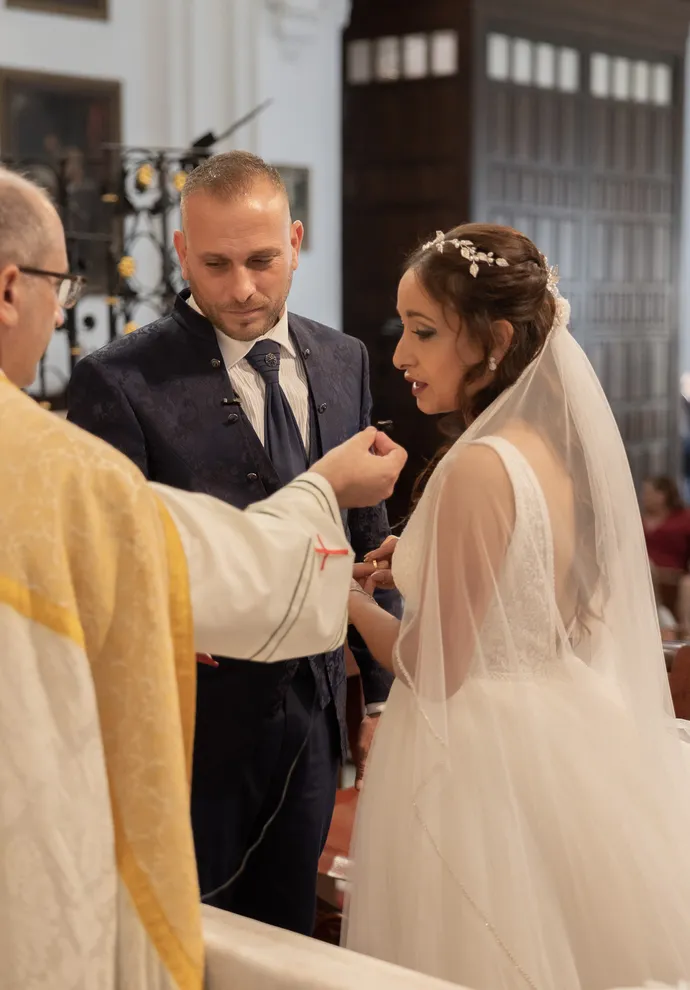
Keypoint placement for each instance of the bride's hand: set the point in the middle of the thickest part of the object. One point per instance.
(379, 563)
(360, 592)
(362, 575)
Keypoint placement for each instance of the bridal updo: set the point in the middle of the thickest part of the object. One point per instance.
(512, 286)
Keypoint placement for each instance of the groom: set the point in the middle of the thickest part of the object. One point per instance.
(233, 396)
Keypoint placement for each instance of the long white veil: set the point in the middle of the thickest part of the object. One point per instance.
(603, 605)
(528, 790)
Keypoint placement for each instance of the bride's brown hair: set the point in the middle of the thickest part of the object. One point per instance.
(516, 292)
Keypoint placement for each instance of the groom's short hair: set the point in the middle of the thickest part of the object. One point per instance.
(231, 175)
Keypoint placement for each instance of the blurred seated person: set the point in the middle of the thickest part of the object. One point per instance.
(666, 524)
(667, 624)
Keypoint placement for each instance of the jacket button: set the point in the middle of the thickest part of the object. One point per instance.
(307, 352)
(323, 407)
(225, 402)
(215, 362)
(252, 477)
(232, 418)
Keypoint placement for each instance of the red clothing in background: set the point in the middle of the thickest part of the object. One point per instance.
(669, 544)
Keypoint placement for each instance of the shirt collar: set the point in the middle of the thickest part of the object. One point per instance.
(234, 351)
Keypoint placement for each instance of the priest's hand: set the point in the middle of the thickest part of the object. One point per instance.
(363, 470)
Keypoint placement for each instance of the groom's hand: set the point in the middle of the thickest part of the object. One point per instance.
(375, 571)
(384, 553)
(366, 737)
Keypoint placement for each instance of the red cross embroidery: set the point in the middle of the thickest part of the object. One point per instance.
(326, 553)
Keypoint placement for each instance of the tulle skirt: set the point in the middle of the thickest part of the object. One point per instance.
(543, 849)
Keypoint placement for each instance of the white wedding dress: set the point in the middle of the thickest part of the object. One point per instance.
(525, 819)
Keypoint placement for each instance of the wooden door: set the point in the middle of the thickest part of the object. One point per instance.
(578, 145)
(407, 120)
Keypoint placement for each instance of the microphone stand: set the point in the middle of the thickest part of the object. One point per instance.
(209, 139)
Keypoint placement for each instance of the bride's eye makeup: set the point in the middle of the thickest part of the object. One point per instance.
(424, 333)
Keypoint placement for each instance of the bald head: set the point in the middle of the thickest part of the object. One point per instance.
(31, 237)
(28, 221)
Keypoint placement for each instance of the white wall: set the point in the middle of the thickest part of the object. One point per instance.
(303, 127)
(243, 52)
(188, 66)
(130, 47)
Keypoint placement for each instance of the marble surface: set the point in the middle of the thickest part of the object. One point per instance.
(245, 955)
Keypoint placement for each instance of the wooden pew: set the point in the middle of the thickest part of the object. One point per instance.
(333, 868)
(679, 679)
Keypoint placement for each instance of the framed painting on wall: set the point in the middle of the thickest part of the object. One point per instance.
(74, 8)
(54, 129)
(296, 179)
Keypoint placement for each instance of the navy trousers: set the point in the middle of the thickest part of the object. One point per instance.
(278, 884)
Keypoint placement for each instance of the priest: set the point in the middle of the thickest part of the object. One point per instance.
(108, 585)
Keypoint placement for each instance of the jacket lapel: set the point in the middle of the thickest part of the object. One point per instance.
(227, 436)
(321, 366)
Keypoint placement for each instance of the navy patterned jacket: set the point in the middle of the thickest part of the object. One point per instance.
(162, 396)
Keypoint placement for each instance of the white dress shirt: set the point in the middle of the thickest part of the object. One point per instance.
(250, 387)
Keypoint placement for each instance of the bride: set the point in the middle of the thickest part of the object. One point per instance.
(525, 818)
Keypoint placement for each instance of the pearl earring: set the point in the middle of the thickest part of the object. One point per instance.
(492, 364)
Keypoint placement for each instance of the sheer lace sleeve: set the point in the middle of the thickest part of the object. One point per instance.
(467, 516)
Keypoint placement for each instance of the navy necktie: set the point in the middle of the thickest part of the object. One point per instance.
(282, 440)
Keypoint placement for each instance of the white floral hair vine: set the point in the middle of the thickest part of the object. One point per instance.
(467, 250)
(552, 276)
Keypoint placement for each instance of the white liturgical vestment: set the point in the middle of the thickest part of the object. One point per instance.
(264, 583)
(108, 585)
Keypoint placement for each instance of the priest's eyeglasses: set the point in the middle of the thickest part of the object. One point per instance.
(68, 287)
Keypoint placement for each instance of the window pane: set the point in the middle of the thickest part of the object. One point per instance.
(569, 70)
(498, 57)
(621, 79)
(444, 53)
(522, 62)
(662, 85)
(600, 76)
(545, 70)
(415, 56)
(359, 62)
(387, 59)
(641, 82)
